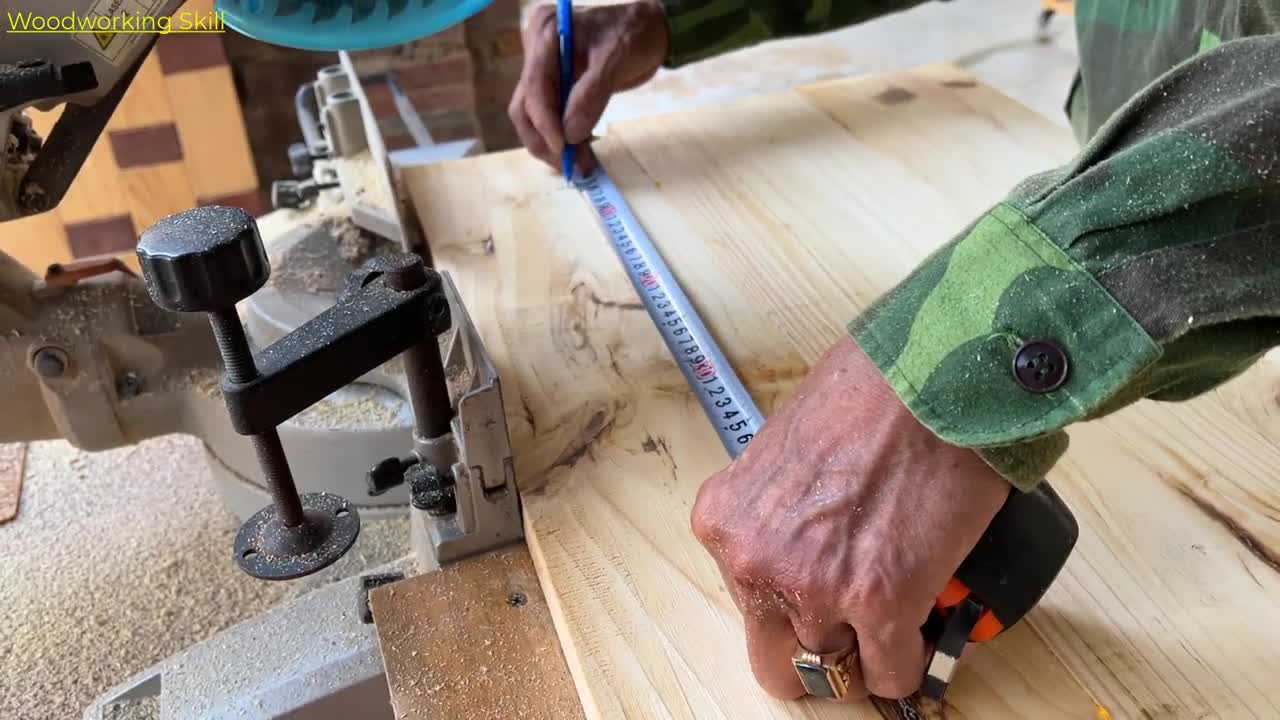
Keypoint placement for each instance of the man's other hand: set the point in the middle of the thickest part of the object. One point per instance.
(616, 47)
(839, 525)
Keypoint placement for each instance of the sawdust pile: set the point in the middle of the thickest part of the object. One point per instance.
(120, 559)
(380, 409)
(309, 263)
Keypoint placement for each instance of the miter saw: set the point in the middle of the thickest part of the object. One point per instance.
(336, 374)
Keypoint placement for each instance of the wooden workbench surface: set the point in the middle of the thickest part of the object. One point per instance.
(783, 216)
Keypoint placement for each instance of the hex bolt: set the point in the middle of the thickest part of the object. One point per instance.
(431, 491)
(50, 362)
(129, 386)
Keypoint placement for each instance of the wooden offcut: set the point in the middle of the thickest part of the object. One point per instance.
(783, 217)
(13, 458)
(474, 640)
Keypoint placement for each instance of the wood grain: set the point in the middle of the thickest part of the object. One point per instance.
(211, 126)
(96, 192)
(147, 101)
(156, 192)
(474, 640)
(783, 217)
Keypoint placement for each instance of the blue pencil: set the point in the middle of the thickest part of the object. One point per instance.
(564, 26)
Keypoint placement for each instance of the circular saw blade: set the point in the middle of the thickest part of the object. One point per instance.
(333, 25)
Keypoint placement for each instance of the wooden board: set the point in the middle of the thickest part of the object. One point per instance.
(474, 640)
(783, 216)
(214, 139)
(13, 457)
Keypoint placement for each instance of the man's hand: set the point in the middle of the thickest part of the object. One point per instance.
(839, 525)
(617, 47)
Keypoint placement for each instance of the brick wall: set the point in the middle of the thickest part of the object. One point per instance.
(493, 37)
(460, 80)
(267, 76)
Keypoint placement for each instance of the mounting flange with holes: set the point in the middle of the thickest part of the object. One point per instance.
(267, 550)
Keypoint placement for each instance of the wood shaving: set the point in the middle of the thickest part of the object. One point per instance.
(337, 412)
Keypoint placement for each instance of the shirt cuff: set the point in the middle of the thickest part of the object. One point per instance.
(999, 340)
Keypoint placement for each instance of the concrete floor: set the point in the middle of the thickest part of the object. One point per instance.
(119, 559)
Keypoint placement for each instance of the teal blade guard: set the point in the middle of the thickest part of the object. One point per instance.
(332, 25)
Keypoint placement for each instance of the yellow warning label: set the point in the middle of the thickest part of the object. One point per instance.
(104, 38)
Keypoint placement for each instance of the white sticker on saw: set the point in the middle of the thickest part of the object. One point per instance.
(115, 26)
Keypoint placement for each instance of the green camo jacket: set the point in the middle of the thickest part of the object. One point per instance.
(1151, 261)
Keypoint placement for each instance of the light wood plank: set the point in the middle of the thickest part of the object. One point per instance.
(96, 193)
(36, 241)
(156, 192)
(474, 640)
(784, 216)
(146, 102)
(215, 144)
(197, 7)
(13, 457)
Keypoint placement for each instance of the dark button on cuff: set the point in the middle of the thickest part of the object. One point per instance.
(1040, 366)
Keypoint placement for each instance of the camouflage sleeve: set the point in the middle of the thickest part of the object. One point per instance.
(703, 28)
(1152, 261)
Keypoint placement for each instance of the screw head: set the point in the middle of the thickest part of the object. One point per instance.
(203, 259)
(50, 362)
(129, 386)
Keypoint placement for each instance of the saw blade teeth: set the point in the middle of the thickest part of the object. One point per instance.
(325, 11)
(361, 9)
(349, 24)
(286, 8)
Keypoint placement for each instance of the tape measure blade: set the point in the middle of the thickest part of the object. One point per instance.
(725, 400)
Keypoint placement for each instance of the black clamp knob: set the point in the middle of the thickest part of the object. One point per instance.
(203, 260)
(301, 161)
(387, 475)
(294, 194)
(207, 260)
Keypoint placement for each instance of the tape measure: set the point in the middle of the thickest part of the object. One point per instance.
(721, 394)
(1004, 576)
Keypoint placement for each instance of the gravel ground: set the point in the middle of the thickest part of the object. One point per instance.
(122, 558)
